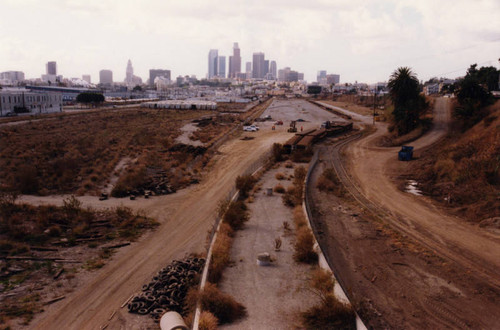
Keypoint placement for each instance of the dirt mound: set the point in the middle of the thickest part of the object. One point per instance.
(463, 171)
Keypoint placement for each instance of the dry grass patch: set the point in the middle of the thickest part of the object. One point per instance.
(304, 246)
(208, 321)
(298, 217)
(236, 215)
(221, 253)
(77, 153)
(329, 314)
(220, 305)
(329, 182)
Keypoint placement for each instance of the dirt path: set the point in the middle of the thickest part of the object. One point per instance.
(404, 262)
(474, 248)
(185, 218)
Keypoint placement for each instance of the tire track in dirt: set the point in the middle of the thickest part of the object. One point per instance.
(476, 258)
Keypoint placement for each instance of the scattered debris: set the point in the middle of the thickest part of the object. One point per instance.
(58, 273)
(55, 300)
(168, 289)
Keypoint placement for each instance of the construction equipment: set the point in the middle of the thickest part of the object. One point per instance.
(293, 127)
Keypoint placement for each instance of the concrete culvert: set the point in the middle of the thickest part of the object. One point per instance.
(172, 321)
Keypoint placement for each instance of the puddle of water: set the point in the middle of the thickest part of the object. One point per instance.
(411, 187)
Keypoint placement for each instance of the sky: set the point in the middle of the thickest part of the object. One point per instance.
(363, 41)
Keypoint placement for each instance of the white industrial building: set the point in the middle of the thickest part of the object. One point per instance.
(20, 100)
(181, 104)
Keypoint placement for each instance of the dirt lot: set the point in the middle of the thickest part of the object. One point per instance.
(184, 217)
(365, 111)
(404, 262)
(273, 295)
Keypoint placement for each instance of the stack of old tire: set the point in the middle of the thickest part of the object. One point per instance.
(168, 289)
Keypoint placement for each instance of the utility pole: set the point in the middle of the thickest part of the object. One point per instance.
(374, 99)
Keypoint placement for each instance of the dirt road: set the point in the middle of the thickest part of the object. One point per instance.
(185, 218)
(405, 262)
(475, 249)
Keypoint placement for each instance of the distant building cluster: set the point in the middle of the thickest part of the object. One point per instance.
(327, 79)
(11, 77)
(259, 68)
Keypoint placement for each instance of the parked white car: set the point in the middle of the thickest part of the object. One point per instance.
(249, 129)
(254, 126)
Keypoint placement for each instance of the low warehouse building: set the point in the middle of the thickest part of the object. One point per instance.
(20, 100)
(181, 104)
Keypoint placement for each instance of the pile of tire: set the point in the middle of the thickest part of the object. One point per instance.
(167, 291)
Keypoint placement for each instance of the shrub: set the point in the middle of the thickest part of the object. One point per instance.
(236, 215)
(27, 179)
(221, 253)
(289, 197)
(299, 174)
(132, 180)
(304, 247)
(72, 206)
(299, 217)
(322, 282)
(277, 152)
(221, 305)
(302, 156)
(208, 321)
(329, 314)
(329, 182)
(244, 183)
(279, 176)
(279, 189)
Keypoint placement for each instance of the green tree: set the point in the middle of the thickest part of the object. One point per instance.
(473, 95)
(90, 98)
(486, 76)
(313, 89)
(408, 103)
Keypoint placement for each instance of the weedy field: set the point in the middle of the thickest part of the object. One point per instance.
(42, 248)
(463, 171)
(78, 153)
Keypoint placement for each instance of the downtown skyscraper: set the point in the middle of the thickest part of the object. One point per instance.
(258, 65)
(235, 61)
(212, 63)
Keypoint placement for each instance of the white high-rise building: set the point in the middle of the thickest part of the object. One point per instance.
(273, 70)
(129, 74)
(86, 77)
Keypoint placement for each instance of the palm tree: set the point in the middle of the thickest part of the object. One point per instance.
(408, 103)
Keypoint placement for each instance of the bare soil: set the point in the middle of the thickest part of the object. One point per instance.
(185, 218)
(405, 262)
(359, 109)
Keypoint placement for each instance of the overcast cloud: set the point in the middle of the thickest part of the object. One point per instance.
(360, 40)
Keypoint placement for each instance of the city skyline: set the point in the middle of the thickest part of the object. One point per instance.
(359, 40)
